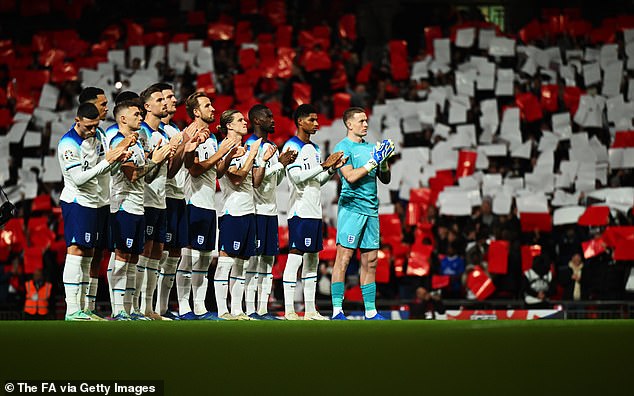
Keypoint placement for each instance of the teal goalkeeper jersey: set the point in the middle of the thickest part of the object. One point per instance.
(360, 197)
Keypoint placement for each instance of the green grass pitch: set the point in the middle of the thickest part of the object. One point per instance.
(549, 357)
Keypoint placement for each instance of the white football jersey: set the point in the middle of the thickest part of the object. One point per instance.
(305, 200)
(103, 179)
(265, 197)
(200, 191)
(127, 195)
(155, 191)
(174, 187)
(80, 163)
(238, 200)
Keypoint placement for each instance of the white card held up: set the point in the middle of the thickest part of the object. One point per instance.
(468, 132)
(562, 198)
(561, 125)
(548, 142)
(157, 54)
(568, 73)
(465, 37)
(442, 50)
(522, 150)
(502, 204)
(567, 215)
(117, 57)
(608, 55)
(612, 79)
(454, 204)
(621, 158)
(52, 172)
(441, 130)
(457, 112)
(48, 97)
(532, 203)
(137, 52)
(465, 82)
(514, 183)
(545, 162)
(540, 182)
(32, 139)
(16, 132)
(502, 46)
(504, 84)
(443, 156)
(484, 38)
(493, 150)
(591, 74)
(420, 70)
(427, 112)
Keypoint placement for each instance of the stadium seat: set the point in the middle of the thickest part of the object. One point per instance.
(419, 260)
(329, 252)
(41, 203)
(33, 259)
(383, 266)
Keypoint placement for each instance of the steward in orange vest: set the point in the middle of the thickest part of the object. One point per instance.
(37, 293)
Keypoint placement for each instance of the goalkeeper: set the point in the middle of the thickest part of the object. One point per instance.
(358, 215)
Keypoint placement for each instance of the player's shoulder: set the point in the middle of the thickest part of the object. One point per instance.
(71, 138)
(116, 138)
(294, 143)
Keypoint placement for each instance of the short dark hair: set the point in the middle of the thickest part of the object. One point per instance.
(163, 86)
(303, 111)
(88, 110)
(125, 95)
(349, 113)
(257, 110)
(119, 107)
(192, 103)
(147, 93)
(89, 93)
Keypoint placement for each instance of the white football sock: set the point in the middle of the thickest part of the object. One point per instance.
(251, 284)
(141, 266)
(117, 285)
(200, 267)
(221, 283)
(151, 277)
(166, 281)
(309, 280)
(72, 277)
(91, 296)
(237, 289)
(290, 281)
(85, 280)
(184, 282)
(110, 284)
(265, 283)
(130, 282)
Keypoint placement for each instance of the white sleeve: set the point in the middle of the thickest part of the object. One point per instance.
(79, 176)
(297, 175)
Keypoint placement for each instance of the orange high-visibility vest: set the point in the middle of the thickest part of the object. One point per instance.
(39, 305)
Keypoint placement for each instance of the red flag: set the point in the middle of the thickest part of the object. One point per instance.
(550, 94)
(466, 163)
(301, 94)
(528, 253)
(383, 266)
(621, 238)
(398, 60)
(363, 76)
(498, 257)
(623, 139)
(439, 281)
(348, 27)
(595, 216)
(536, 221)
(418, 263)
(341, 101)
(593, 247)
(480, 283)
(530, 107)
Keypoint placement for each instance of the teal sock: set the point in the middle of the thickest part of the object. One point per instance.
(369, 296)
(336, 290)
